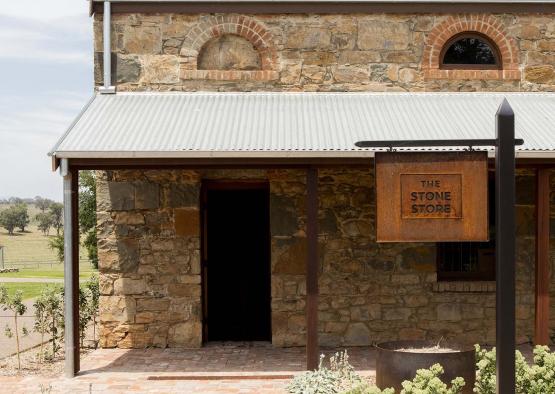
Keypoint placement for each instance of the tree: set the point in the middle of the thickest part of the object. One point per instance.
(44, 220)
(9, 219)
(57, 211)
(56, 243)
(22, 216)
(42, 203)
(15, 305)
(87, 214)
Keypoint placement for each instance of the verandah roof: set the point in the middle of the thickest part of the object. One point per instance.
(281, 125)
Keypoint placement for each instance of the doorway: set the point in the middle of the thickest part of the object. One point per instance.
(236, 261)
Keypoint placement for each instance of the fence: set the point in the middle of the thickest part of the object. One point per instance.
(39, 264)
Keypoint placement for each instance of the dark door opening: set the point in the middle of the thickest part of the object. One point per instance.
(236, 262)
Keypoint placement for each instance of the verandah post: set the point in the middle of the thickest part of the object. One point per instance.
(71, 269)
(312, 269)
(505, 248)
(541, 335)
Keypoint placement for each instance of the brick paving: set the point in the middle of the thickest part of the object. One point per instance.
(216, 368)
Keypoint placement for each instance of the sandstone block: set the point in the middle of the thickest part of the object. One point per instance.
(122, 196)
(283, 217)
(160, 69)
(293, 259)
(116, 309)
(357, 335)
(188, 335)
(183, 290)
(128, 68)
(187, 222)
(153, 304)
(540, 74)
(183, 195)
(142, 39)
(449, 312)
(127, 286)
(396, 313)
(147, 196)
(359, 57)
(383, 35)
(307, 37)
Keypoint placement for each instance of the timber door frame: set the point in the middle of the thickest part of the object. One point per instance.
(206, 185)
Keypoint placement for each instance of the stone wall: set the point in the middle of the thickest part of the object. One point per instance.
(148, 249)
(356, 52)
(150, 269)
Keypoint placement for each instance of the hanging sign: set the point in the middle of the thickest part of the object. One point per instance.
(431, 197)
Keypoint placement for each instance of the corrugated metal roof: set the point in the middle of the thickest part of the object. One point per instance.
(295, 124)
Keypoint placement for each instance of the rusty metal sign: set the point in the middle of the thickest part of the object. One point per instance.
(431, 197)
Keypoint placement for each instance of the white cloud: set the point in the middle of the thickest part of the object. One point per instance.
(44, 9)
(46, 59)
(61, 40)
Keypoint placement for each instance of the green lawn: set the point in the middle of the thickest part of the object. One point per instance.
(30, 290)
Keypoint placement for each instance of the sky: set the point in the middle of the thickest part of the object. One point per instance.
(46, 77)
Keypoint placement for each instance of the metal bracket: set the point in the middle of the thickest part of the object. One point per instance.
(107, 90)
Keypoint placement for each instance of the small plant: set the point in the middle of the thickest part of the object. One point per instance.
(93, 290)
(338, 378)
(427, 381)
(15, 305)
(49, 314)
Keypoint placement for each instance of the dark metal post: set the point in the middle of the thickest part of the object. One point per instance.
(541, 335)
(312, 269)
(505, 248)
(71, 269)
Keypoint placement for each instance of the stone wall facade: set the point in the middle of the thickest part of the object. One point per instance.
(149, 224)
(342, 52)
(149, 252)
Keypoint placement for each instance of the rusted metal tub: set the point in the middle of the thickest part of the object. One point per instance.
(393, 366)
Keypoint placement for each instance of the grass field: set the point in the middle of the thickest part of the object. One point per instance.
(28, 248)
(31, 254)
(30, 290)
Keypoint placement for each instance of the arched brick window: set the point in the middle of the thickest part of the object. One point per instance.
(470, 47)
(246, 34)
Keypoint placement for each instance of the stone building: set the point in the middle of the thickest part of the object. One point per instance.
(202, 158)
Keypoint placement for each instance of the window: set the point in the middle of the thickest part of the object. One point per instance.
(470, 261)
(470, 51)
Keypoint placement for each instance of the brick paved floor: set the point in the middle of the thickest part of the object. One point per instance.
(216, 368)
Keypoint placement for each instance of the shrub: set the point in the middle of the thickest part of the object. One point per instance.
(538, 378)
(427, 381)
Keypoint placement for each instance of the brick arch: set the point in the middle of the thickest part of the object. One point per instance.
(240, 25)
(486, 25)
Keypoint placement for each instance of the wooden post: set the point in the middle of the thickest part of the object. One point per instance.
(505, 249)
(71, 269)
(312, 269)
(541, 336)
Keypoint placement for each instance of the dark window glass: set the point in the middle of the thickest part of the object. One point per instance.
(469, 50)
(470, 260)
